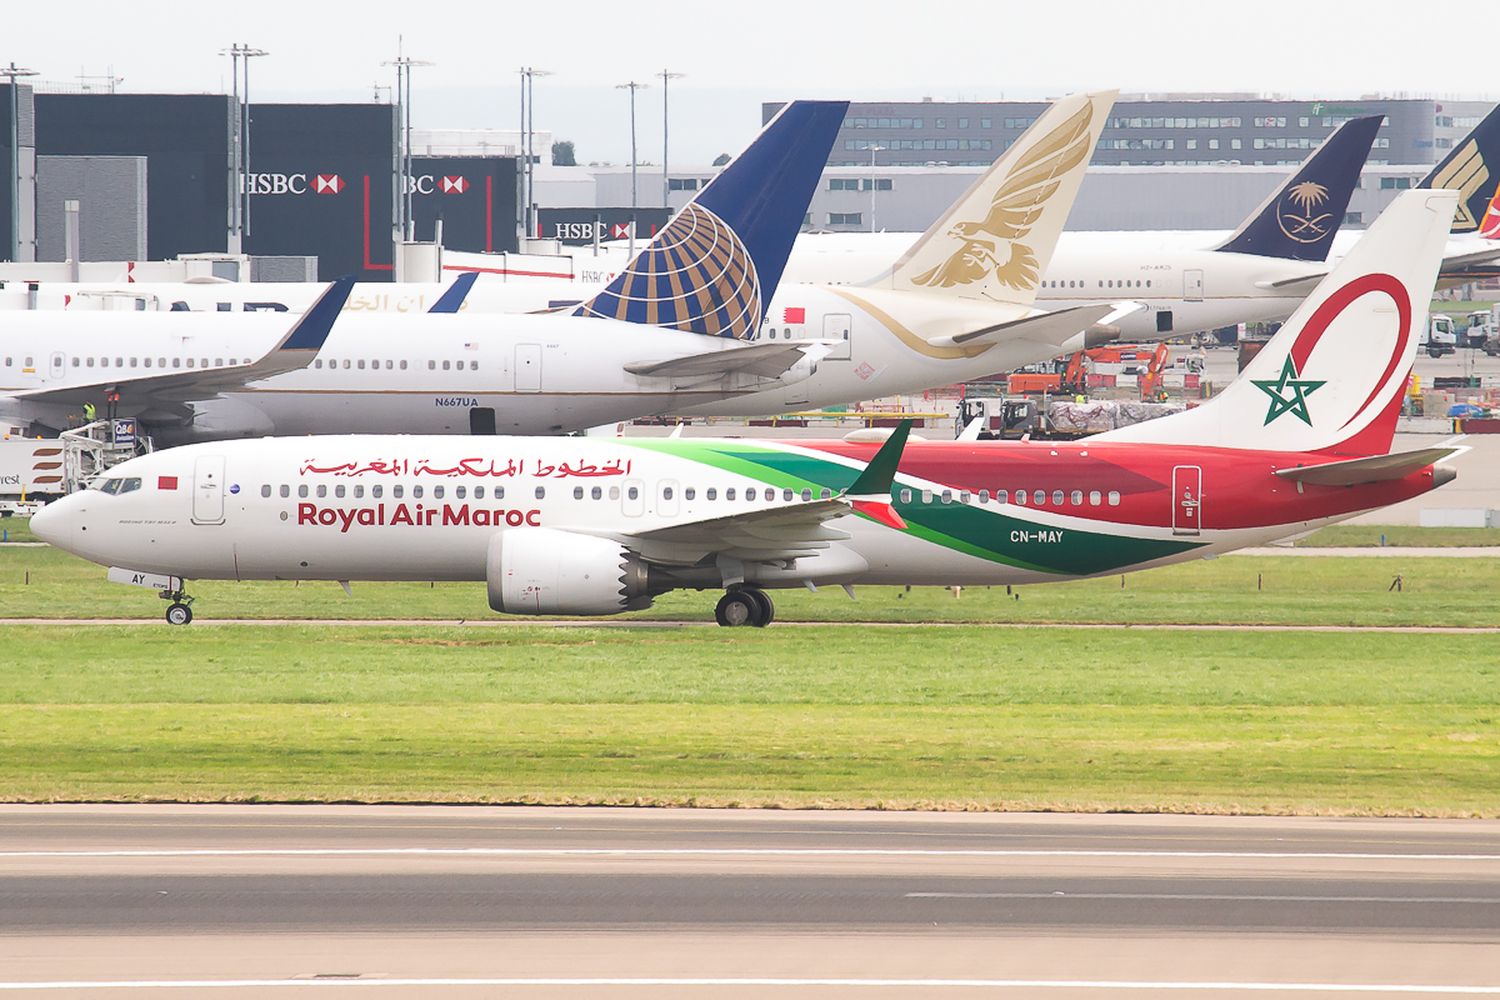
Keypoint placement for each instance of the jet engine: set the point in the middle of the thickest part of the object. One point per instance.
(547, 571)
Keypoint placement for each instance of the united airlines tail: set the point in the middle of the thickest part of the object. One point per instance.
(1332, 377)
(1299, 219)
(998, 237)
(1472, 168)
(714, 268)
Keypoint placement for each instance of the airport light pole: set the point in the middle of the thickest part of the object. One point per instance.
(666, 185)
(404, 65)
(632, 86)
(528, 143)
(240, 225)
(873, 150)
(14, 73)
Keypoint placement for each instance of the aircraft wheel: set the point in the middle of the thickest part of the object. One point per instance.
(737, 608)
(767, 608)
(179, 614)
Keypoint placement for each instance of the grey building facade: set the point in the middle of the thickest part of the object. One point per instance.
(1150, 130)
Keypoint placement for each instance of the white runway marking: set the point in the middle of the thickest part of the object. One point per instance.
(1203, 897)
(723, 852)
(761, 983)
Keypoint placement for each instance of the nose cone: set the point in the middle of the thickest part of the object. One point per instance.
(50, 524)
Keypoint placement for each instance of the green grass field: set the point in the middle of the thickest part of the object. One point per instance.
(1401, 535)
(1281, 590)
(904, 716)
(966, 717)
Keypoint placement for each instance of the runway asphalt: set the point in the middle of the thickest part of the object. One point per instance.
(521, 902)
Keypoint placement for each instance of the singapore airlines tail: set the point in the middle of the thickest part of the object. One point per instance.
(997, 239)
(1332, 378)
(714, 268)
(1471, 168)
(1298, 221)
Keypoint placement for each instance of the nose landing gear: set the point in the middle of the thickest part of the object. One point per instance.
(179, 612)
(745, 606)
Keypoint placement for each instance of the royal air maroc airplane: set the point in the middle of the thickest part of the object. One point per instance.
(596, 526)
(621, 354)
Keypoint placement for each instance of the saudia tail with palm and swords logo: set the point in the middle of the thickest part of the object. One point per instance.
(715, 266)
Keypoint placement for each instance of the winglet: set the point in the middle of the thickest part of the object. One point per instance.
(311, 330)
(870, 493)
(453, 299)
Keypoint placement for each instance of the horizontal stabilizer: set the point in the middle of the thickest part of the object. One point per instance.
(1375, 469)
(1055, 328)
(768, 360)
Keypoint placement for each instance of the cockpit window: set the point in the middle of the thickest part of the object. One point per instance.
(117, 486)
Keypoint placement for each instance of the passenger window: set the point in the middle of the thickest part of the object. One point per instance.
(461, 492)
(666, 492)
(825, 493)
(614, 492)
(403, 366)
(499, 492)
(1114, 495)
(965, 496)
(905, 496)
(361, 364)
(1077, 498)
(398, 491)
(1038, 497)
(927, 496)
(218, 362)
(807, 494)
(1020, 497)
(437, 493)
(359, 492)
(1057, 498)
(285, 490)
(947, 496)
(689, 493)
(578, 493)
(1095, 497)
(322, 491)
(377, 491)
(597, 493)
(541, 492)
(176, 362)
(711, 493)
(447, 366)
(473, 366)
(729, 493)
(302, 491)
(633, 493)
(416, 492)
(1002, 496)
(785, 495)
(265, 491)
(338, 491)
(478, 492)
(431, 365)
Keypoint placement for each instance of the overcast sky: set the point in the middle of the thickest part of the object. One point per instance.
(737, 55)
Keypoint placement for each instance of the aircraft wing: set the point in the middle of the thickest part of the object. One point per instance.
(783, 533)
(1455, 264)
(768, 360)
(1053, 328)
(1375, 469)
(295, 350)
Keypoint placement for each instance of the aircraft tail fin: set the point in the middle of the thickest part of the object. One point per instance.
(1299, 219)
(1332, 378)
(997, 239)
(714, 268)
(1489, 223)
(1472, 168)
(452, 300)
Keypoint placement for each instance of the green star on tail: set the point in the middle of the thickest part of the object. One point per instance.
(1281, 403)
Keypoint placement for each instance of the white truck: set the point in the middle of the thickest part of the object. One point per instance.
(1439, 337)
(31, 472)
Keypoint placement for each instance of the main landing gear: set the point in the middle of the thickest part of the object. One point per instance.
(745, 606)
(180, 611)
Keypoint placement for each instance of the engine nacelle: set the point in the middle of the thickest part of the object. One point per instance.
(546, 571)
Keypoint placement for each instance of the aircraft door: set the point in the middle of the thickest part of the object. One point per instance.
(528, 367)
(666, 498)
(482, 420)
(1187, 499)
(57, 365)
(840, 327)
(1192, 286)
(208, 490)
(632, 498)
